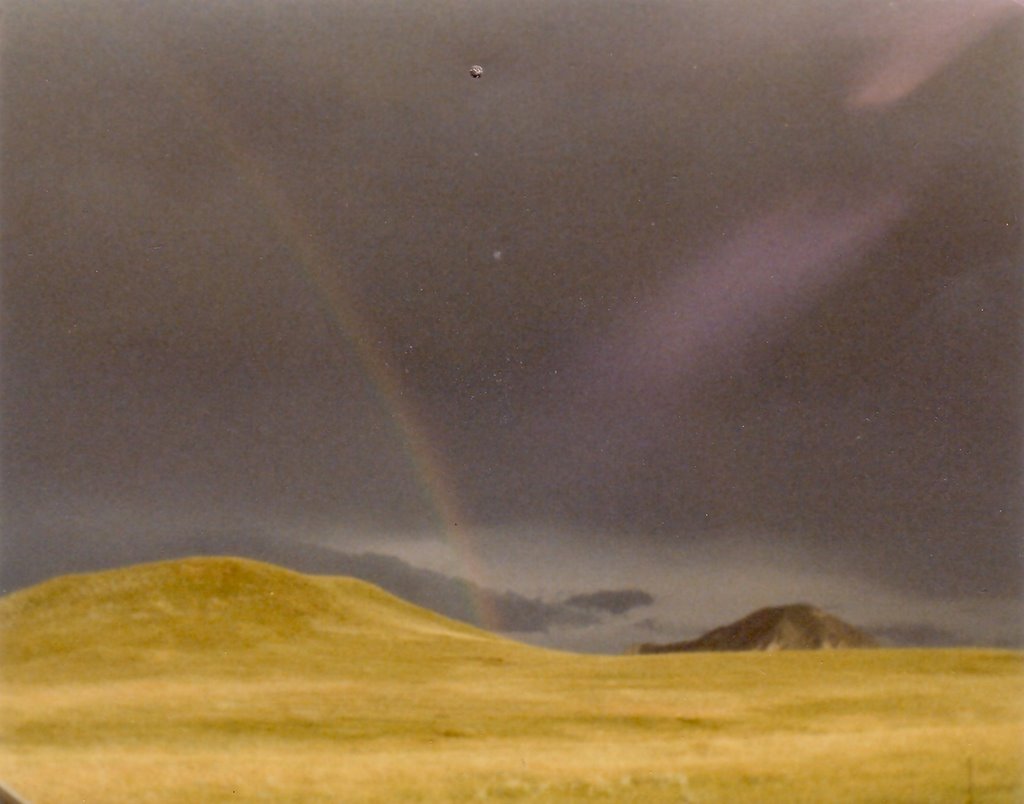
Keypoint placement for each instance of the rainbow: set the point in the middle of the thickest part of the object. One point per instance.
(433, 476)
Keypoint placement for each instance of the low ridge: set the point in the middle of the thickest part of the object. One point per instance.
(798, 626)
(226, 612)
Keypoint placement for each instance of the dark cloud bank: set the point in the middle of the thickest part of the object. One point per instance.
(667, 271)
(615, 601)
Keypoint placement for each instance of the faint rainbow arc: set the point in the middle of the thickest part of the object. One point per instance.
(430, 470)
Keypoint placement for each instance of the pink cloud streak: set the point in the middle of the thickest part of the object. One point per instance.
(920, 42)
(723, 307)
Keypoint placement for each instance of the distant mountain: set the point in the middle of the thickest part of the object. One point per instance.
(794, 627)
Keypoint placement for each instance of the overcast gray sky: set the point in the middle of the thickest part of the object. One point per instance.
(722, 289)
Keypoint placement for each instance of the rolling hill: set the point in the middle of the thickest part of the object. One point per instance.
(165, 616)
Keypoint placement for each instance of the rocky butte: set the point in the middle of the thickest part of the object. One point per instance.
(798, 626)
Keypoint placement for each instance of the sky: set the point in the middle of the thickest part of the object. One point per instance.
(678, 310)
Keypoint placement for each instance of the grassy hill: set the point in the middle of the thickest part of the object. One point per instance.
(228, 680)
(215, 614)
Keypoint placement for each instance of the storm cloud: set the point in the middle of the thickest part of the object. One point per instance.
(665, 274)
(614, 601)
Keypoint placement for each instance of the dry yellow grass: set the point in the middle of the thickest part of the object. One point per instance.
(188, 681)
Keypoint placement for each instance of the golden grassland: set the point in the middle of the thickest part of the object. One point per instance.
(214, 680)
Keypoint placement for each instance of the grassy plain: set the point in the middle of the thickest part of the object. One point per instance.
(223, 680)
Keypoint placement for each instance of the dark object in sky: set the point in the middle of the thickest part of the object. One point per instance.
(794, 627)
(476, 71)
